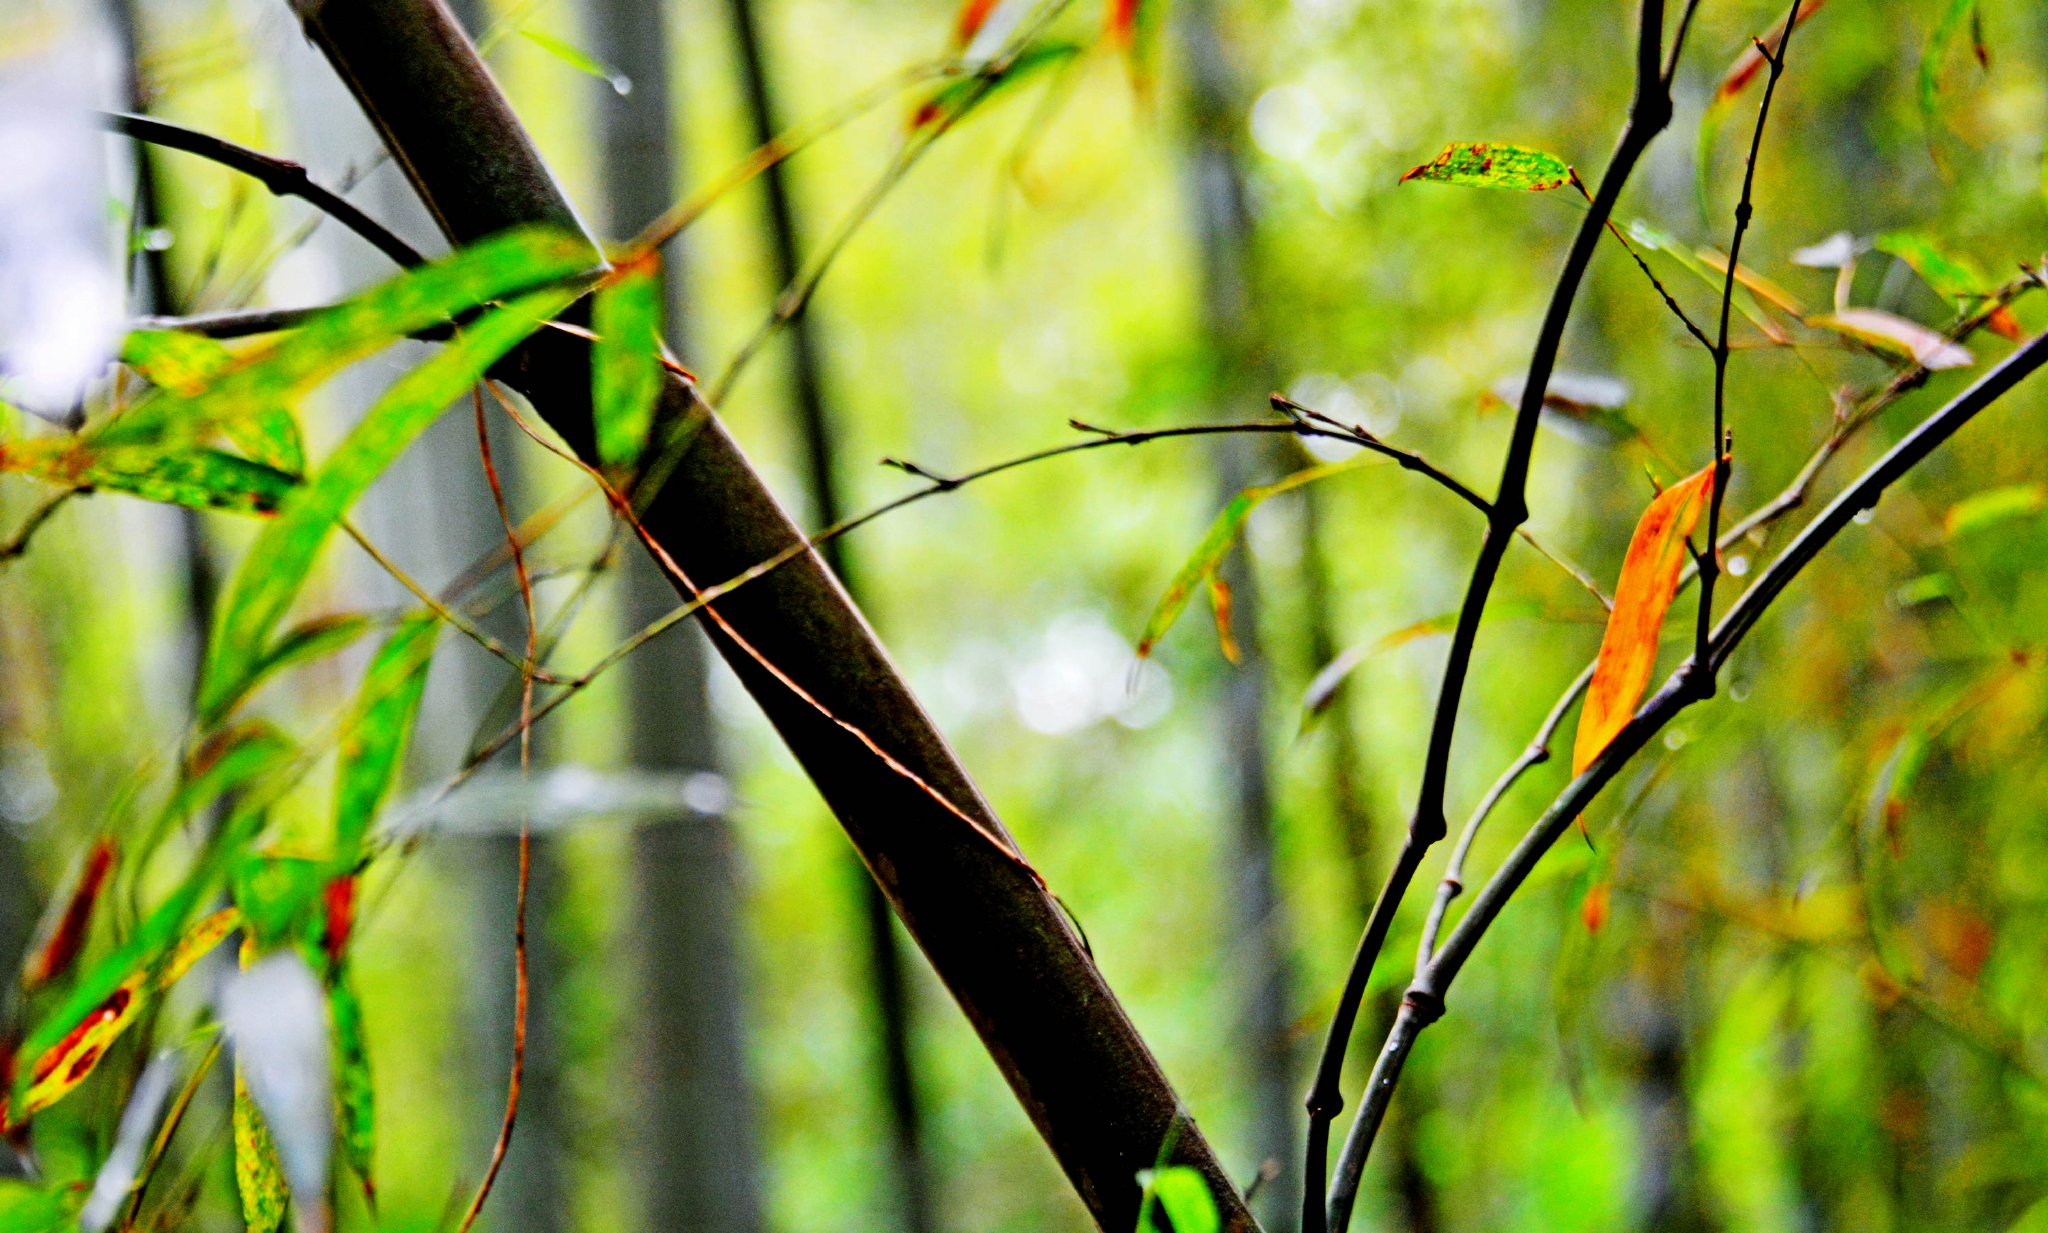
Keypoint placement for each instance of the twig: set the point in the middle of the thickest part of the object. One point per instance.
(241, 323)
(521, 987)
(1424, 1002)
(18, 542)
(1648, 115)
(1708, 563)
(282, 177)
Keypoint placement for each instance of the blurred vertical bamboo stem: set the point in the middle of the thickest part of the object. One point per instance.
(990, 928)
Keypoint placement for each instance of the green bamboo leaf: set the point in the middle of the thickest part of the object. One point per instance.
(1994, 506)
(181, 475)
(277, 566)
(28, 1208)
(1184, 1194)
(1951, 274)
(580, 60)
(186, 364)
(231, 760)
(259, 1176)
(1939, 41)
(278, 374)
(625, 369)
(1208, 555)
(355, 1096)
(308, 641)
(1492, 164)
(174, 360)
(951, 102)
(274, 893)
(373, 741)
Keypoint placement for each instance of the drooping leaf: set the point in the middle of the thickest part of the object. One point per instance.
(374, 738)
(355, 1096)
(1953, 20)
(1208, 555)
(1951, 274)
(1994, 506)
(625, 366)
(258, 1176)
(1492, 164)
(1651, 238)
(1584, 407)
(58, 943)
(1896, 336)
(231, 760)
(1183, 1194)
(278, 374)
(580, 60)
(1745, 70)
(276, 566)
(1649, 579)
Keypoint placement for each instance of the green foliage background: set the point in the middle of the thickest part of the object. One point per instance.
(1818, 1000)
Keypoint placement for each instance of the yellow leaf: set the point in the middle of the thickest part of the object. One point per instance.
(258, 1174)
(67, 1063)
(198, 940)
(1219, 597)
(1649, 578)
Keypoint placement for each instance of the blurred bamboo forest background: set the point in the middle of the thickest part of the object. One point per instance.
(1794, 979)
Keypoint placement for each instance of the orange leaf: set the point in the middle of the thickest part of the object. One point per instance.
(1219, 596)
(2002, 323)
(1649, 578)
(1120, 22)
(54, 956)
(1593, 909)
(968, 21)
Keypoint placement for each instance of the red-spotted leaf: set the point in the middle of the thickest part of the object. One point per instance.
(1649, 579)
(63, 935)
(1896, 336)
(1208, 555)
(1493, 164)
(197, 477)
(259, 1178)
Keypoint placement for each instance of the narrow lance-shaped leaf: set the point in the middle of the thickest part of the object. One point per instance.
(1951, 274)
(230, 760)
(307, 641)
(278, 374)
(625, 366)
(378, 728)
(107, 992)
(1896, 336)
(276, 566)
(951, 102)
(580, 60)
(68, 1062)
(1745, 303)
(196, 477)
(57, 945)
(1939, 41)
(1226, 636)
(1493, 164)
(355, 1097)
(1208, 555)
(187, 363)
(259, 1178)
(1996, 505)
(1649, 579)
(1745, 70)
